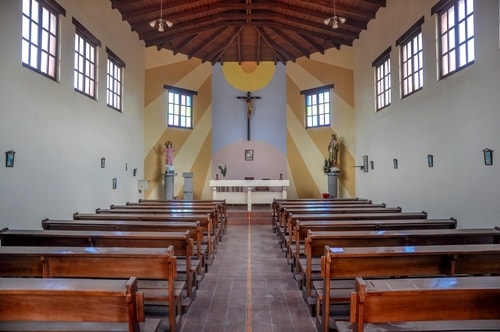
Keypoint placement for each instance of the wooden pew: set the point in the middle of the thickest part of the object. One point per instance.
(217, 223)
(357, 213)
(317, 208)
(388, 262)
(305, 272)
(316, 241)
(70, 304)
(301, 226)
(278, 203)
(180, 241)
(346, 200)
(301, 229)
(280, 206)
(220, 213)
(155, 269)
(206, 221)
(292, 220)
(287, 210)
(424, 299)
(194, 228)
(220, 204)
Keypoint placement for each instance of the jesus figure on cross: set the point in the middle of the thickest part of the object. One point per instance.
(248, 98)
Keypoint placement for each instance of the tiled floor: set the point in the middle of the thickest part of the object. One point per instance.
(249, 287)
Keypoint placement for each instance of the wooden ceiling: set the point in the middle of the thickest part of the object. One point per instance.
(248, 30)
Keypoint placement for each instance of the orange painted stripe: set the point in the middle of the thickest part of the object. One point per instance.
(249, 279)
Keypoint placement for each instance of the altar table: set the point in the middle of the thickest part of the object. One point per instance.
(251, 191)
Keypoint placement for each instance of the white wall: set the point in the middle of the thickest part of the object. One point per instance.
(59, 135)
(454, 119)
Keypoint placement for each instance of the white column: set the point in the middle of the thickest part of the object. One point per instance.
(249, 198)
(214, 192)
(283, 193)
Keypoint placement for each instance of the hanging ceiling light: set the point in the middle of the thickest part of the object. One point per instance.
(335, 20)
(161, 22)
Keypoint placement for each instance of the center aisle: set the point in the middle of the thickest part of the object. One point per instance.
(249, 287)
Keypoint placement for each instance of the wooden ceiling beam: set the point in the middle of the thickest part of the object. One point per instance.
(238, 48)
(201, 27)
(276, 48)
(227, 44)
(195, 51)
(292, 43)
(317, 47)
(258, 46)
(277, 54)
(176, 49)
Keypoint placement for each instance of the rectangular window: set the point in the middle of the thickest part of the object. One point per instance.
(412, 64)
(85, 68)
(383, 86)
(318, 106)
(114, 80)
(40, 36)
(180, 107)
(455, 35)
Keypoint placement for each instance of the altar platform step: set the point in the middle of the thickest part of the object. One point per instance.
(261, 214)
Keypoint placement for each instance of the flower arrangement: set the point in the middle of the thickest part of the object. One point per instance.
(326, 166)
(223, 169)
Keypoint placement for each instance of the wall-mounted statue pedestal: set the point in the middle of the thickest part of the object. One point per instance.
(333, 183)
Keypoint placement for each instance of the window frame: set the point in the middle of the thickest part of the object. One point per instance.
(88, 53)
(411, 59)
(175, 112)
(46, 42)
(317, 110)
(383, 77)
(451, 56)
(114, 81)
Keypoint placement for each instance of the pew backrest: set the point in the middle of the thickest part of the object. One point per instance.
(404, 261)
(70, 300)
(316, 241)
(158, 264)
(424, 299)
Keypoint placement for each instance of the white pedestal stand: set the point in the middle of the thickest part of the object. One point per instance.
(333, 183)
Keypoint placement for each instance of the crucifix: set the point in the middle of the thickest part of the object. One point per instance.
(248, 98)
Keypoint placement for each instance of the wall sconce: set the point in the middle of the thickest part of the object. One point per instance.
(103, 162)
(395, 163)
(488, 157)
(134, 172)
(9, 158)
(115, 183)
(430, 160)
(372, 164)
(364, 167)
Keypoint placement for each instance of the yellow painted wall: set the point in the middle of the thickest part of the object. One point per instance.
(306, 149)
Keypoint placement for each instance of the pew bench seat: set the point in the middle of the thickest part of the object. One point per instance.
(404, 261)
(72, 305)
(155, 268)
(440, 326)
(424, 300)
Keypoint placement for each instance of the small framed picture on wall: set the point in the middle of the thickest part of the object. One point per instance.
(249, 154)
